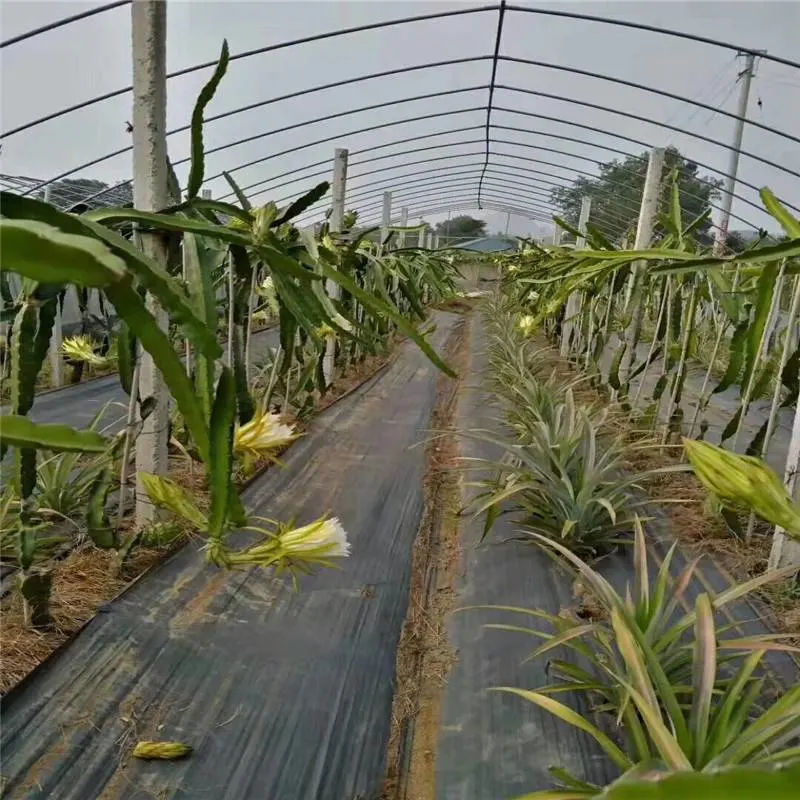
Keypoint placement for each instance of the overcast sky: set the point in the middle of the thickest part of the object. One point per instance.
(93, 56)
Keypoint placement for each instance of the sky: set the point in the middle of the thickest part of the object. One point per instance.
(93, 56)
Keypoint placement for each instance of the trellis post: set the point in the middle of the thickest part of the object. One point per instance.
(338, 192)
(150, 193)
(57, 337)
(785, 550)
(573, 308)
(648, 212)
(721, 238)
(401, 241)
(386, 218)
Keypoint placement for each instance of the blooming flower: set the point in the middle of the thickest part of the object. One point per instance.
(526, 324)
(326, 332)
(293, 550)
(324, 537)
(82, 348)
(264, 433)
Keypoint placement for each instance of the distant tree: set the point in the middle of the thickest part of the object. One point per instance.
(616, 194)
(461, 227)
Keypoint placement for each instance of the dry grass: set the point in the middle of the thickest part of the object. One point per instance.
(82, 581)
(87, 577)
(424, 656)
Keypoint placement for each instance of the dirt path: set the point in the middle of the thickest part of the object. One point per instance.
(282, 695)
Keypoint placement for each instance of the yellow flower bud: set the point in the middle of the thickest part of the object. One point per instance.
(165, 751)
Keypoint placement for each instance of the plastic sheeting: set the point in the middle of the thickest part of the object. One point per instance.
(283, 695)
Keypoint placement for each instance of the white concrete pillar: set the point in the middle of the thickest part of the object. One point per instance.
(403, 223)
(338, 193)
(150, 193)
(573, 308)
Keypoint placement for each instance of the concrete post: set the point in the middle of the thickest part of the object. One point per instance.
(573, 308)
(556, 235)
(57, 337)
(338, 191)
(786, 550)
(648, 213)
(386, 217)
(733, 165)
(150, 193)
(403, 223)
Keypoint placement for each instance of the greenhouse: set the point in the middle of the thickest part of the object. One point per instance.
(317, 484)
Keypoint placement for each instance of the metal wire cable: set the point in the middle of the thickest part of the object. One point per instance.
(340, 136)
(652, 90)
(375, 187)
(504, 206)
(456, 180)
(539, 161)
(326, 161)
(424, 136)
(333, 85)
(506, 194)
(618, 226)
(491, 201)
(655, 29)
(516, 111)
(406, 20)
(458, 190)
(639, 118)
(51, 26)
(337, 115)
(648, 145)
(502, 127)
(532, 185)
(257, 51)
(477, 88)
(498, 37)
(471, 204)
(368, 129)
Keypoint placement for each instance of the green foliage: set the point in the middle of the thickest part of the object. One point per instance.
(381, 294)
(653, 782)
(681, 689)
(558, 474)
(459, 228)
(19, 431)
(203, 99)
(616, 193)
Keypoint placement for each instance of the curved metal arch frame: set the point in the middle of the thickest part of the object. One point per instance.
(456, 181)
(470, 202)
(516, 156)
(415, 98)
(513, 193)
(448, 178)
(497, 192)
(490, 205)
(425, 206)
(534, 115)
(389, 23)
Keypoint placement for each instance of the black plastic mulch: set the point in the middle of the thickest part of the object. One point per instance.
(282, 695)
(494, 745)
